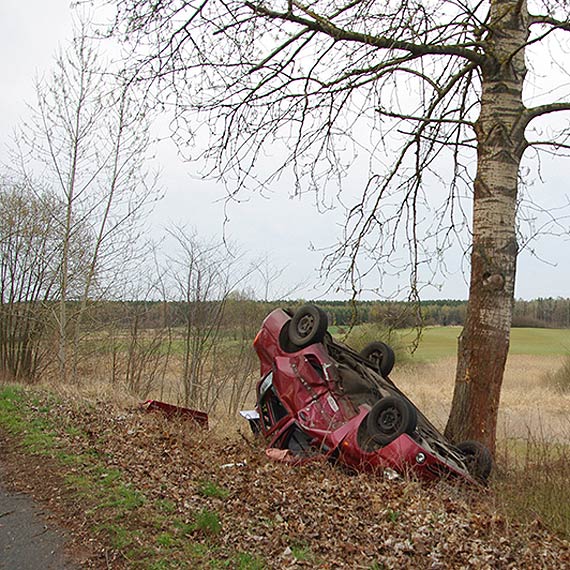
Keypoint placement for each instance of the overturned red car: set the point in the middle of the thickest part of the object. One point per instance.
(318, 397)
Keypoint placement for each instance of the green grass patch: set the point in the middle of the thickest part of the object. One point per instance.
(207, 522)
(166, 539)
(245, 561)
(441, 342)
(123, 497)
(105, 488)
(120, 537)
(212, 490)
(165, 506)
(11, 400)
(39, 442)
(540, 341)
(74, 431)
(302, 553)
(182, 527)
(164, 565)
(239, 561)
(196, 550)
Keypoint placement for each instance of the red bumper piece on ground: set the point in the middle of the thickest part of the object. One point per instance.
(172, 411)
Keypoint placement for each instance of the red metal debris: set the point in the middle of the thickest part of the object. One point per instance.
(172, 411)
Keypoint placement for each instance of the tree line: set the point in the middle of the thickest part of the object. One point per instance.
(537, 313)
(154, 314)
(201, 316)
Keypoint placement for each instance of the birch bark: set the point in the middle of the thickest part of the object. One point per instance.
(484, 342)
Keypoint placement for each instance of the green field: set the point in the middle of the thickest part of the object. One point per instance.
(441, 342)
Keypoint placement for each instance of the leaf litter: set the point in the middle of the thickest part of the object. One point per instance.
(310, 516)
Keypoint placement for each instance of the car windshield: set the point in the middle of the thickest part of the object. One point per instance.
(270, 407)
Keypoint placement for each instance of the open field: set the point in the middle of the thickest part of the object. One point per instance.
(441, 342)
(529, 405)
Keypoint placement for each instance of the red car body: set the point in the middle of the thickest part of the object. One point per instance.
(303, 407)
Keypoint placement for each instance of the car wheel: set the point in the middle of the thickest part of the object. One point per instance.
(308, 326)
(381, 356)
(478, 459)
(390, 418)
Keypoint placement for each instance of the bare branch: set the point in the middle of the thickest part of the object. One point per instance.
(542, 110)
(324, 25)
(554, 145)
(550, 21)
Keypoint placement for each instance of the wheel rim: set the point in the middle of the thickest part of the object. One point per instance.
(305, 325)
(376, 358)
(390, 420)
(471, 461)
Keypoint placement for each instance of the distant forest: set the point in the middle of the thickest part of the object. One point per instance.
(140, 343)
(540, 313)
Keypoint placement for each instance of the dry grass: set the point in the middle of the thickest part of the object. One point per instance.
(530, 405)
(560, 379)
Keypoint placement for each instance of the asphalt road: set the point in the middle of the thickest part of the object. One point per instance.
(28, 541)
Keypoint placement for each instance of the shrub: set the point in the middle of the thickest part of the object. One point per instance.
(359, 336)
(560, 380)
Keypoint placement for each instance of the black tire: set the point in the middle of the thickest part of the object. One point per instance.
(478, 459)
(381, 356)
(308, 326)
(390, 418)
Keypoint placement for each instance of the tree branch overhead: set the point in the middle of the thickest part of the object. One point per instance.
(318, 23)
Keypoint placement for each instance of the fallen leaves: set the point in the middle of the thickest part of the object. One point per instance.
(312, 516)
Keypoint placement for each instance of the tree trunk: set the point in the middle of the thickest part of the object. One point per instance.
(484, 342)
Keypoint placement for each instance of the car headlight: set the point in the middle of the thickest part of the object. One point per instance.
(420, 458)
(390, 474)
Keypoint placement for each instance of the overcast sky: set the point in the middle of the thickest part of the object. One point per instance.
(282, 227)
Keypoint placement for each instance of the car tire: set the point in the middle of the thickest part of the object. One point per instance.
(308, 326)
(389, 418)
(478, 459)
(381, 356)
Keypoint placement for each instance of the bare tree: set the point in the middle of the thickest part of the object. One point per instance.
(90, 138)
(201, 276)
(29, 247)
(436, 86)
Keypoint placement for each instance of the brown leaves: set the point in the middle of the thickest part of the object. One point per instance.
(313, 516)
